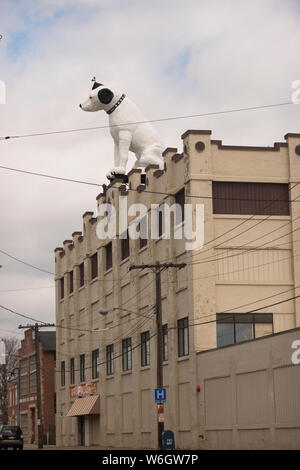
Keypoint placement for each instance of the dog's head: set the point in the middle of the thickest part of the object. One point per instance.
(100, 97)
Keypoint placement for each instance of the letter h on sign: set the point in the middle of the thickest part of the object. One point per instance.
(160, 395)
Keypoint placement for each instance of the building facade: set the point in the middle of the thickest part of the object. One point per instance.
(28, 386)
(240, 271)
(12, 401)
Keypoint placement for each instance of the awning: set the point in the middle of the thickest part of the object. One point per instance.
(85, 406)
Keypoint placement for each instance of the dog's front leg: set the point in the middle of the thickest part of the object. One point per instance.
(124, 144)
(116, 153)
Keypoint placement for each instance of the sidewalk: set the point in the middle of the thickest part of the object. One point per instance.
(52, 447)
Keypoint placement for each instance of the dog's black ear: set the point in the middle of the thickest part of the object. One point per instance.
(105, 95)
(96, 84)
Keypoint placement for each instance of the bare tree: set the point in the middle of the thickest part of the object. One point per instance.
(8, 371)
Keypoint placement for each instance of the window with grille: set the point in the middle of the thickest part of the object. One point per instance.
(183, 337)
(94, 266)
(145, 348)
(235, 328)
(126, 354)
(250, 198)
(110, 359)
(95, 364)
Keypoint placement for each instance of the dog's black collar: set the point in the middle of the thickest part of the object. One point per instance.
(111, 110)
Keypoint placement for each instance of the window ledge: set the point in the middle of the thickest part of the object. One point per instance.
(125, 260)
(183, 358)
(126, 372)
(144, 248)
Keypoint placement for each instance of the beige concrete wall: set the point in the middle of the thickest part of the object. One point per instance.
(226, 277)
(250, 395)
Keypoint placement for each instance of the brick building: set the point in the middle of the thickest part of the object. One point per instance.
(12, 400)
(28, 386)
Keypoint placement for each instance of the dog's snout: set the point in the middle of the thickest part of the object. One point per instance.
(80, 106)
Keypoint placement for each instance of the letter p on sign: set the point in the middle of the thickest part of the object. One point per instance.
(2, 353)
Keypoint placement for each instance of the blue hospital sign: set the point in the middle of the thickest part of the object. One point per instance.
(160, 395)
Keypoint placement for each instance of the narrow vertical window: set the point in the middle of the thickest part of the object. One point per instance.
(94, 266)
(81, 275)
(126, 354)
(108, 256)
(179, 200)
(62, 287)
(82, 368)
(71, 282)
(145, 348)
(63, 373)
(95, 364)
(125, 246)
(72, 371)
(110, 359)
(143, 229)
(183, 337)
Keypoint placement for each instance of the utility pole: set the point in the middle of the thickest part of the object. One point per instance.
(157, 269)
(18, 392)
(35, 328)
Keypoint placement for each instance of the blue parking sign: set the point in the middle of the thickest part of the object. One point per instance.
(160, 395)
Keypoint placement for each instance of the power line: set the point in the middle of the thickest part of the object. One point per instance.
(214, 113)
(26, 289)
(195, 324)
(242, 223)
(162, 193)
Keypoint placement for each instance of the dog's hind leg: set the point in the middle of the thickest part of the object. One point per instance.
(152, 156)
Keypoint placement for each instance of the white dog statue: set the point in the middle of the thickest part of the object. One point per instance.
(128, 127)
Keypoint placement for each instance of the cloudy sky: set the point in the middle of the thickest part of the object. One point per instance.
(172, 58)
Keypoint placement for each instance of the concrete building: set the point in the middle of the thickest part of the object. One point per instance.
(233, 290)
(28, 386)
